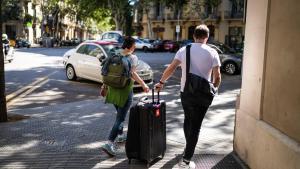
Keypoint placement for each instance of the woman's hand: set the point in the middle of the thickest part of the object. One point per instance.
(145, 88)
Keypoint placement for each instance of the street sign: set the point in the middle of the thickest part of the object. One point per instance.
(177, 28)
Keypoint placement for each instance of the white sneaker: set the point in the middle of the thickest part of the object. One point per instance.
(183, 165)
(121, 138)
(109, 148)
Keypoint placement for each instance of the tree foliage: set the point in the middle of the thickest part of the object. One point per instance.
(10, 10)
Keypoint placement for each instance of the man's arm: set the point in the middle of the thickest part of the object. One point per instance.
(170, 70)
(168, 73)
(216, 76)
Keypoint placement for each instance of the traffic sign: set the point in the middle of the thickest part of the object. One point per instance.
(177, 28)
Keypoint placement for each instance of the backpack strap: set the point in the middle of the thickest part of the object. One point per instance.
(127, 65)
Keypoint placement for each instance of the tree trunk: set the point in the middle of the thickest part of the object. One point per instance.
(149, 25)
(117, 23)
(3, 109)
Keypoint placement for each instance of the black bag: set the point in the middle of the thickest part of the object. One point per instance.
(146, 136)
(201, 90)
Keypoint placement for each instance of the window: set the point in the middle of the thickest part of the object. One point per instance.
(94, 51)
(216, 48)
(82, 49)
(111, 49)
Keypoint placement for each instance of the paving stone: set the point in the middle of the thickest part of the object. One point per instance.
(70, 135)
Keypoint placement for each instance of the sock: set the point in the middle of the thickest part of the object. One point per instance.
(186, 161)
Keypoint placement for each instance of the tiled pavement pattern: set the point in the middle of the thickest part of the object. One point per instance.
(70, 136)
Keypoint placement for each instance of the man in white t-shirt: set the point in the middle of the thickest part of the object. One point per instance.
(204, 62)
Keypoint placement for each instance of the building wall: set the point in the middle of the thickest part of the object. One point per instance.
(21, 30)
(281, 98)
(267, 118)
(191, 18)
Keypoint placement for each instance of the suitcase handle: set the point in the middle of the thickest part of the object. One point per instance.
(158, 99)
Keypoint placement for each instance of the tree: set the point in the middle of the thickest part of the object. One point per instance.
(10, 10)
(3, 108)
(146, 6)
(119, 10)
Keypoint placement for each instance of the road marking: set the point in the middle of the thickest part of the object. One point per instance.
(27, 92)
(28, 89)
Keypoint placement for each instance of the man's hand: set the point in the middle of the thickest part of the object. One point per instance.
(145, 88)
(158, 86)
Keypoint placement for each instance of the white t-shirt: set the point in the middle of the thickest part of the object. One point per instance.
(203, 60)
(133, 60)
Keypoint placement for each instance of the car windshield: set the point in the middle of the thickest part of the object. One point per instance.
(110, 49)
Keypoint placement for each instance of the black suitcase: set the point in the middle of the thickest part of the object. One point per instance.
(146, 136)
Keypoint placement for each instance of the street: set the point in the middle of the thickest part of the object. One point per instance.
(68, 121)
(30, 65)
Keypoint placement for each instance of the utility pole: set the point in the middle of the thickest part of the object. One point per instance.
(3, 109)
(178, 25)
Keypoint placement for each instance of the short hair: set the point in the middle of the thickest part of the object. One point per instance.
(128, 42)
(201, 32)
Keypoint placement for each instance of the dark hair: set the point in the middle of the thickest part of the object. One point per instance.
(128, 42)
(201, 32)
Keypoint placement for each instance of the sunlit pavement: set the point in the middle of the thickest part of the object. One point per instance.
(70, 135)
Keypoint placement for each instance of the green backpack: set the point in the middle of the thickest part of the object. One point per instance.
(116, 71)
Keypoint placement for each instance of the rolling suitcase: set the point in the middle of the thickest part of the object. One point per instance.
(146, 136)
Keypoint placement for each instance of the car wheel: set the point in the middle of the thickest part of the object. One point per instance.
(70, 72)
(230, 68)
(145, 48)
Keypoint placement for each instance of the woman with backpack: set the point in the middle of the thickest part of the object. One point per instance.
(121, 98)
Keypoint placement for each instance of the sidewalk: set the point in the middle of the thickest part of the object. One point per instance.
(70, 135)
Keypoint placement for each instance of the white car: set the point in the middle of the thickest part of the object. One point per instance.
(85, 61)
(139, 44)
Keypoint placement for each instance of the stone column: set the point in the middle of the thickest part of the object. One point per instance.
(267, 130)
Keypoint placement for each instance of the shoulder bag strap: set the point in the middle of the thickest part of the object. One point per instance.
(188, 61)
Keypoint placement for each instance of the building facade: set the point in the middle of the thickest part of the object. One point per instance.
(226, 21)
(34, 24)
(29, 25)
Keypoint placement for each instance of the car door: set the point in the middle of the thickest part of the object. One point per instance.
(138, 44)
(93, 64)
(78, 60)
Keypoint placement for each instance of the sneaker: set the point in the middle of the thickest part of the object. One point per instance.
(184, 165)
(121, 138)
(109, 149)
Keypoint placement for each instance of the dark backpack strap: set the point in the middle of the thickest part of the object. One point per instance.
(188, 62)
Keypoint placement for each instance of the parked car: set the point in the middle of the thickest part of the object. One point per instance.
(231, 62)
(171, 46)
(85, 61)
(20, 43)
(148, 40)
(112, 35)
(139, 44)
(185, 42)
(158, 45)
